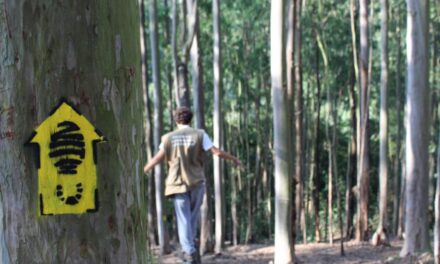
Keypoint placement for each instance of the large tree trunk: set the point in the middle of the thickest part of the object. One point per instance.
(219, 222)
(417, 131)
(380, 235)
(88, 53)
(282, 131)
(363, 160)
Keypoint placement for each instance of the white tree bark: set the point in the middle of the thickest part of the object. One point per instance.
(87, 52)
(157, 131)
(380, 235)
(417, 129)
(218, 186)
(282, 132)
(363, 160)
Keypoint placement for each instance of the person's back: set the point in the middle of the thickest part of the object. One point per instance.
(184, 149)
(185, 156)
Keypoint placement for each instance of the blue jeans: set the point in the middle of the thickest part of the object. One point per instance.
(187, 206)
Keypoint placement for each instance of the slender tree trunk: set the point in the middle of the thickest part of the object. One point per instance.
(351, 170)
(417, 133)
(316, 178)
(148, 126)
(331, 171)
(299, 113)
(290, 77)
(234, 216)
(363, 160)
(381, 235)
(397, 161)
(437, 211)
(217, 128)
(283, 202)
(48, 51)
(157, 133)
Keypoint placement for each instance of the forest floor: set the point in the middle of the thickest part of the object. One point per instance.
(311, 253)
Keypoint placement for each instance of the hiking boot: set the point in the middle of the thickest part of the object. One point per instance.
(194, 258)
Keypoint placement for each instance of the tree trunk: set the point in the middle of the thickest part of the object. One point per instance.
(299, 113)
(331, 164)
(363, 160)
(417, 133)
(397, 159)
(316, 179)
(282, 131)
(290, 77)
(351, 170)
(148, 126)
(219, 222)
(381, 236)
(88, 53)
(157, 133)
(437, 211)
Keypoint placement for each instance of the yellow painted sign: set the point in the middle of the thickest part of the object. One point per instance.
(67, 181)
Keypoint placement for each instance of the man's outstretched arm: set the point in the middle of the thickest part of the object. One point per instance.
(160, 155)
(225, 155)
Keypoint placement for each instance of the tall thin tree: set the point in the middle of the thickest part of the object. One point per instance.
(157, 131)
(417, 129)
(363, 159)
(218, 186)
(282, 132)
(380, 235)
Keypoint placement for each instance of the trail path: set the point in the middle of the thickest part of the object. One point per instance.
(311, 253)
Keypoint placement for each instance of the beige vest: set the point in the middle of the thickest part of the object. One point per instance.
(185, 155)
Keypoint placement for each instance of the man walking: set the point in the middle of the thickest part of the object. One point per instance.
(184, 150)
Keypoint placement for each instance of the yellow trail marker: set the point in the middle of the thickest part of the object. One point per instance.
(67, 181)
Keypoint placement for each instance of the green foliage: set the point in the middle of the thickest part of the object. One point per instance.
(246, 80)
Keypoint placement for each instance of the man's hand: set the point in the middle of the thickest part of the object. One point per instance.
(160, 155)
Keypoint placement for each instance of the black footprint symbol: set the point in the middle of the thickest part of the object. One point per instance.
(70, 200)
(67, 147)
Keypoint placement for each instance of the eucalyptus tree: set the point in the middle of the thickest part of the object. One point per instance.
(88, 53)
(158, 129)
(380, 235)
(282, 131)
(219, 217)
(363, 177)
(417, 129)
(147, 117)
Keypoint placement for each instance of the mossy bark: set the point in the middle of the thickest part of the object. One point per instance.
(87, 52)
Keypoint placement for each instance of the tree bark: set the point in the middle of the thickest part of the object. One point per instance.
(381, 236)
(282, 131)
(363, 160)
(351, 170)
(417, 133)
(299, 117)
(88, 53)
(158, 130)
(316, 179)
(218, 186)
(437, 211)
(148, 127)
(397, 159)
